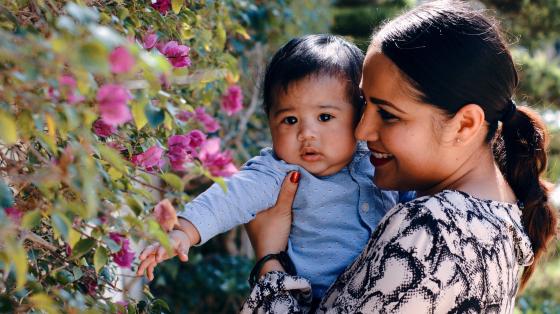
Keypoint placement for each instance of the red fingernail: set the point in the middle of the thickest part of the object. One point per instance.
(294, 177)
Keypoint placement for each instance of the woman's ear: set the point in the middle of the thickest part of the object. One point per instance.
(467, 123)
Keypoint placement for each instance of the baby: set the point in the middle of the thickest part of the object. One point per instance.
(313, 102)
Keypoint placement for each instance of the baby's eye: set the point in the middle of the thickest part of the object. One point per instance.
(290, 120)
(323, 117)
(386, 116)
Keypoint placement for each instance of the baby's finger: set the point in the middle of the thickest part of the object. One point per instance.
(149, 250)
(144, 264)
(161, 254)
(151, 271)
(182, 252)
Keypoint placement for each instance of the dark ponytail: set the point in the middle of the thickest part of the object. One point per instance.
(520, 150)
(453, 55)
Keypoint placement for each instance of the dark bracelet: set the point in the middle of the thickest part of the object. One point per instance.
(281, 257)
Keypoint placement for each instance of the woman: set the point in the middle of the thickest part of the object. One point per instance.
(439, 119)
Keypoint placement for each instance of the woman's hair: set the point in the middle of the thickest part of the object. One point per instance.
(452, 56)
(314, 55)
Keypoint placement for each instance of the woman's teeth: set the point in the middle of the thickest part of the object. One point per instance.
(381, 155)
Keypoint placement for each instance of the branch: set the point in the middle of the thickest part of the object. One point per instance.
(28, 235)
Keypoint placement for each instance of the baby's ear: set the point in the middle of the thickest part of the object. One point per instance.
(467, 123)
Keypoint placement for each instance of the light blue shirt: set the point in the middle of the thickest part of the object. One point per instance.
(333, 216)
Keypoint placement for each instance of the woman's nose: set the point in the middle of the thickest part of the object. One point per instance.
(367, 129)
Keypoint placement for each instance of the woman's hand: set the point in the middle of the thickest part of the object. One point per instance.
(270, 229)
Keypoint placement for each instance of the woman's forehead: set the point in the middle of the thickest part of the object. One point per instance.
(382, 78)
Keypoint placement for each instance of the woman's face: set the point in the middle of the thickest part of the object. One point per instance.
(406, 137)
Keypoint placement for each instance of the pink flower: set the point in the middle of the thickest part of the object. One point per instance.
(179, 151)
(124, 256)
(150, 159)
(121, 60)
(196, 138)
(90, 285)
(232, 101)
(184, 115)
(162, 5)
(177, 54)
(220, 164)
(112, 100)
(149, 40)
(165, 215)
(207, 120)
(210, 124)
(67, 88)
(103, 129)
(14, 214)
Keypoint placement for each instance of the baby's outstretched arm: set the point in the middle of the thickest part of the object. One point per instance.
(182, 238)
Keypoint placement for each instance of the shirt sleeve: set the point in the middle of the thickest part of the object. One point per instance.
(406, 196)
(253, 189)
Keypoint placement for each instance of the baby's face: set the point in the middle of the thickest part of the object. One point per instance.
(312, 125)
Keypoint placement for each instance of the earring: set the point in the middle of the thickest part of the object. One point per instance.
(458, 140)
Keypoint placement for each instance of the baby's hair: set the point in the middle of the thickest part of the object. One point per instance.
(309, 55)
(453, 55)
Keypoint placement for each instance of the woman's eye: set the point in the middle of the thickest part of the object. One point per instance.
(386, 115)
(289, 120)
(325, 117)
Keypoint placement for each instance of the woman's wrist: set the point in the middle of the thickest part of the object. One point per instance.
(271, 265)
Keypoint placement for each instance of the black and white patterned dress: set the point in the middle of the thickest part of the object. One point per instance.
(445, 253)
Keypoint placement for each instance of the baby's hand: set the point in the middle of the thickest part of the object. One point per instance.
(156, 253)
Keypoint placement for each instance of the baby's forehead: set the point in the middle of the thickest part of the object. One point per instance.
(284, 88)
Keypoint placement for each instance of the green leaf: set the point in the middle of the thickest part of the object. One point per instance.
(31, 219)
(155, 115)
(61, 225)
(112, 157)
(134, 204)
(139, 114)
(176, 5)
(18, 256)
(42, 301)
(173, 180)
(6, 195)
(100, 258)
(220, 36)
(113, 245)
(93, 56)
(155, 230)
(64, 277)
(220, 182)
(8, 132)
(82, 247)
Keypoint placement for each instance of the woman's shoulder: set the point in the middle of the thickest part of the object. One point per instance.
(454, 216)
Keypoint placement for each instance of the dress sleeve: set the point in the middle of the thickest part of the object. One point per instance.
(278, 292)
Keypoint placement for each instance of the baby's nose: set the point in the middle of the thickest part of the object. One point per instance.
(307, 132)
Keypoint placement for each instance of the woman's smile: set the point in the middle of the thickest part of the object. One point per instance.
(379, 159)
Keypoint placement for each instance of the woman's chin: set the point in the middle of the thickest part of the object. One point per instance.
(384, 183)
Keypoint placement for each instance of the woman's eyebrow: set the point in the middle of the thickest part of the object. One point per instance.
(383, 102)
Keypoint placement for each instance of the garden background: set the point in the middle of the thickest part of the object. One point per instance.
(106, 107)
